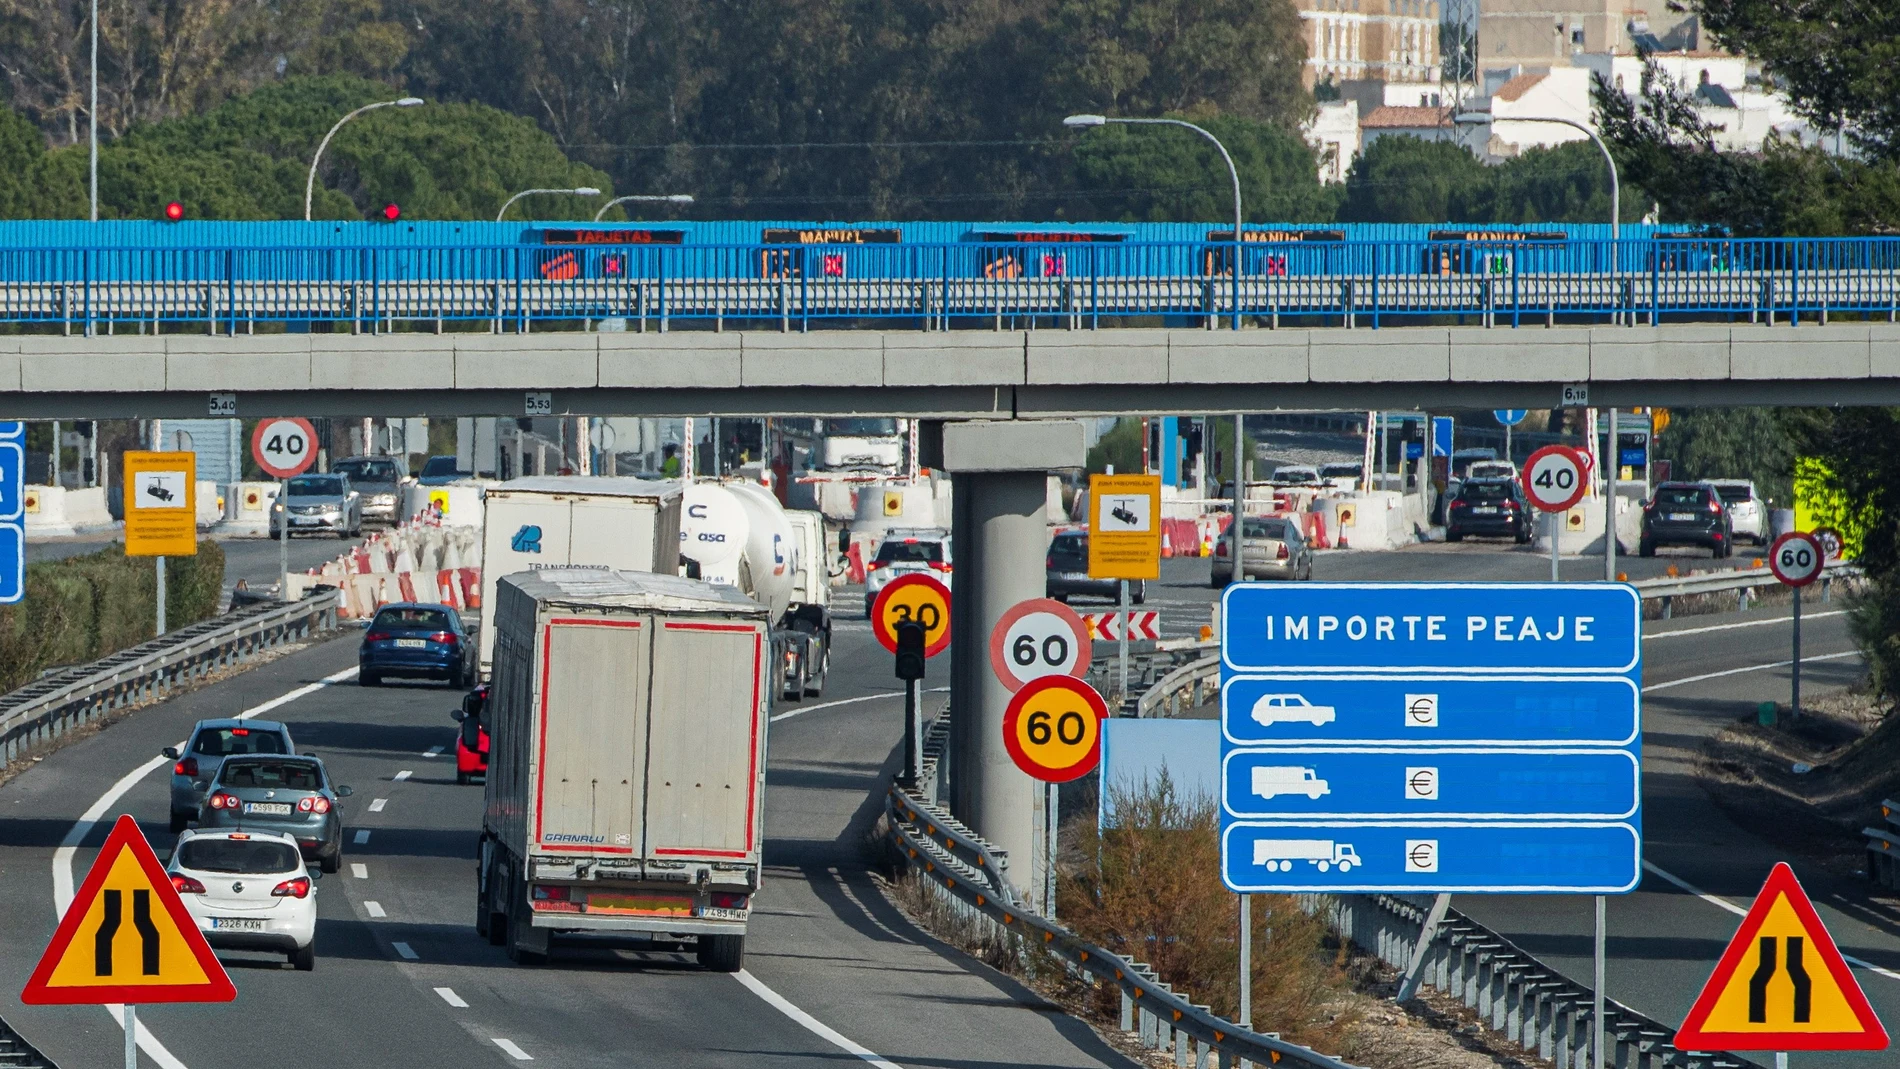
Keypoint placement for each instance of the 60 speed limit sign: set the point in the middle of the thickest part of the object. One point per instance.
(1797, 558)
(1555, 478)
(1053, 728)
(284, 446)
(1036, 638)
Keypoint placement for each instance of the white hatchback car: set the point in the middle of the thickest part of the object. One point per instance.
(1747, 514)
(248, 890)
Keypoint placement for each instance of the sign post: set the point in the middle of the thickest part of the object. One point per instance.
(911, 618)
(283, 448)
(1555, 478)
(1797, 559)
(161, 510)
(1037, 639)
(1125, 542)
(1509, 417)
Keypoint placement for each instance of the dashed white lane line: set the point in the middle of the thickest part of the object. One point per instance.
(449, 996)
(362, 836)
(806, 1021)
(433, 751)
(407, 952)
(359, 870)
(803, 709)
(1750, 668)
(374, 909)
(513, 1051)
(1740, 911)
(63, 856)
(403, 775)
(1744, 623)
(377, 805)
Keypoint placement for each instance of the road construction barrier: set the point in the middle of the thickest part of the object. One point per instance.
(413, 562)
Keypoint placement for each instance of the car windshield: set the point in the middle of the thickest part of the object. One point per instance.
(281, 775)
(1295, 475)
(245, 857)
(421, 619)
(1334, 471)
(368, 471)
(861, 428)
(1734, 493)
(1692, 496)
(439, 466)
(1256, 528)
(222, 742)
(1485, 491)
(910, 551)
(316, 486)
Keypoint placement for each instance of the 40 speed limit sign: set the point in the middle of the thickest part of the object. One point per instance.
(1053, 728)
(1555, 478)
(1036, 638)
(284, 447)
(1797, 558)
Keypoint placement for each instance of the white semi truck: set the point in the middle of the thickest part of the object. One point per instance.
(626, 778)
(1278, 855)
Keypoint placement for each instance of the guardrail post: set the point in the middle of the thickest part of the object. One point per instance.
(1128, 1012)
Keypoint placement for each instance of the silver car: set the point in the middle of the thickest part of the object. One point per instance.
(318, 504)
(1274, 549)
(1747, 513)
(379, 480)
(211, 742)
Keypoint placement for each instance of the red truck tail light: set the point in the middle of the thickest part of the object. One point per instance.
(544, 892)
(728, 900)
(297, 887)
(187, 767)
(185, 885)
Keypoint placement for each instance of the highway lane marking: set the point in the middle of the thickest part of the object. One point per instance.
(1742, 911)
(362, 836)
(403, 775)
(449, 996)
(513, 1051)
(69, 846)
(433, 751)
(359, 870)
(1750, 668)
(408, 952)
(377, 805)
(803, 709)
(1745, 623)
(374, 909)
(807, 1021)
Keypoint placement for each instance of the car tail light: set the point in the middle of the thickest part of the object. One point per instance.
(875, 565)
(313, 804)
(376, 636)
(939, 566)
(222, 800)
(1283, 554)
(1049, 563)
(443, 636)
(728, 900)
(295, 887)
(1510, 504)
(240, 732)
(187, 767)
(185, 885)
(1460, 504)
(1715, 507)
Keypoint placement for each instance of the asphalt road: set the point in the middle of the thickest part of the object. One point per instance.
(251, 559)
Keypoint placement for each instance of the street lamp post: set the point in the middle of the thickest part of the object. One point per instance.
(310, 184)
(577, 191)
(92, 130)
(1479, 118)
(654, 198)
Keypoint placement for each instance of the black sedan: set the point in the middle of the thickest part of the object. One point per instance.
(1494, 507)
(419, 641)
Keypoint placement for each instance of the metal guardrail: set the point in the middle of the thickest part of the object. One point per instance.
(1883, 846)
(1743, 582)
(17, 1053)
(38, 715)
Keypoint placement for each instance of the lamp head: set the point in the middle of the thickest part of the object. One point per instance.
(680, 198)
(1084, 122)
(408, 102)
(1472, 118)
(585, 191)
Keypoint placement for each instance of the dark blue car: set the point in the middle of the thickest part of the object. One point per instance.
(417, 641)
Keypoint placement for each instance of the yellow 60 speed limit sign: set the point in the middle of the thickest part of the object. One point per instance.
(1053, 728)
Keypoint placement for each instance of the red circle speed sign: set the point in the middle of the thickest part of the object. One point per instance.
(1555, 478)
(284, 446)
(916, 597)
(1053, 728)
(1797, 558)
(1036, 638)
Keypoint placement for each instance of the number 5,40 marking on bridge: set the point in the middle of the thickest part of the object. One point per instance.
(126, 937)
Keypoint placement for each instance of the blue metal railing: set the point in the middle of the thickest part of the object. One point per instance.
(1081, 284)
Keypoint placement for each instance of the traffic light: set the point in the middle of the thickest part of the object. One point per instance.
(174, 211)
(910, 650)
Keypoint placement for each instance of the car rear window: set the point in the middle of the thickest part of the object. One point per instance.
(1254, 528)
(223, 742)
(428, 619)
(316, 486)
(369, 471)
(1692, 496)
(1069, 547)
(910, 552)
(284, 775)
(1734, 493)
(239, 856)
(1485, 491)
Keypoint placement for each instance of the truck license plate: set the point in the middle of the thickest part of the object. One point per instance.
(274, 809)
(721, 914)
(238, 924)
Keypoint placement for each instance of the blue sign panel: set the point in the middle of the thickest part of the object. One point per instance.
(12, 563)
(12, 430)
(1414, 450)
(1441, 436)
(1413, 737)
(12, 482)
(1405, 856)
(1634, 457)
(1509, 417)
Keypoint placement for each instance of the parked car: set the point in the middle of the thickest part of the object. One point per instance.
(248, 890)
(418, 641)
(1493, 507)
(1747, 512)
(1492, 469)
(1272, 548)
(440, 471)
(906, 550)
(318, 504)
(379, 480)
(290, 795)
(471, 742)
(210, 743)
(1068, 573)
(1297, 475)
(1686, 514)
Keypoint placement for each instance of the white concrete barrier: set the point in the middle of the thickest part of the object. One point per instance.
(86, 508)
(210, 504)
(247, 508)
(45, 508)
(457, 504)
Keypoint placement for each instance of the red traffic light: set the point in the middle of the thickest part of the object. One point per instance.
(391, 213)
(174, 212)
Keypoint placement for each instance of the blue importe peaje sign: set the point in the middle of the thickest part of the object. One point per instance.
(1415, 737)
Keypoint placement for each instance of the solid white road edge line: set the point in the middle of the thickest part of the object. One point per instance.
(801, 710)
(1742, 911)
(513, 1051)
(69, 846)
(1750, 668)
(1746, 623)
(808, 1022)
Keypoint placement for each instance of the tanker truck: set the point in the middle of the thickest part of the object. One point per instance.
(735, 533)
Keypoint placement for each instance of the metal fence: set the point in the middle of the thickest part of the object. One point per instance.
(964, 284)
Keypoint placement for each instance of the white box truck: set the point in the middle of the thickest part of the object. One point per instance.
(626, 763)
(551, 521)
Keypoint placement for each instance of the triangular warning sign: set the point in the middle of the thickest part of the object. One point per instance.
(126, 937)
(1781, 984)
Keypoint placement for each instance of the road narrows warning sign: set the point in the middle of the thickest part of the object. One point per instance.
(126, 937)
(1781, 984)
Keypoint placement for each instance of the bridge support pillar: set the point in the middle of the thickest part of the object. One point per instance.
(1000, 540)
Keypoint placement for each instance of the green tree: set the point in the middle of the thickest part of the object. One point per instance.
(1119, 448)
(1410, 180)
(1166, 174)
(1731, 443)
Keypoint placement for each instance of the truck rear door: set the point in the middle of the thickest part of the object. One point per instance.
(707, 740)
(593, 734)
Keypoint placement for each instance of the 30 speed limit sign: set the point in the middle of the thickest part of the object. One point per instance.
(1036, 638)
(284, 446)
(1796, 558)
(1053, 728)
(914, 597)
(1555, 478)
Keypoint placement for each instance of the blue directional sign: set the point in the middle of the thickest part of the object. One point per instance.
(12, 482)
(1441, 436)
(12, 562)
(12, 511)
(1509, 417)
(1413, 737)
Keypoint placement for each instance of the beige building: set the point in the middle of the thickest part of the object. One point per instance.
(1370, 40)
(1519, 36)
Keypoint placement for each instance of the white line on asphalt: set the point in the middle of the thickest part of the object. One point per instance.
(1740, 911)
(433, 751)
(513, 1051)
(359, 870)
(1750, 668)
(407, 952)
(807, 1021)
(403, 775)
(362, 836)
(374, 909)
(803, 709)
(1744, 623)
(377, 805)
(69, 846)
(449, 996)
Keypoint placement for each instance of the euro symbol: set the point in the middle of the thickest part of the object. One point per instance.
(1421, 856)
(1422, 783)
(1422, 710)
